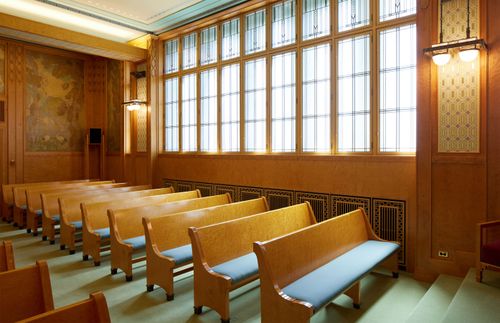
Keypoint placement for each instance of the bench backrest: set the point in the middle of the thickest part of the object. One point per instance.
(50, 201)
(33, 195)
(92, 310)
(19, 193)
(170, 231)
(95, 213)
(312, 247)
(70, 208)
(7, 189)
(127, 223)
(222, 242)
(6, 256)
(25, 292)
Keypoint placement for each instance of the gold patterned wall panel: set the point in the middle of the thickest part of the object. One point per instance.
(114, 106)
(54, 102)
(2, 70)
(458, 89)
(142, 113)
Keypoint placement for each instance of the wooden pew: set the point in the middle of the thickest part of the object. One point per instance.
(222, 253)
(50, 207)
(487, 248)
(127, 232)
(96, 231)
(20, 204)
(302, 272)
(34, 200)
(71, 214)
(6, 256)
(25, 292)
(167, 242)
(8, 196)
(92, 310)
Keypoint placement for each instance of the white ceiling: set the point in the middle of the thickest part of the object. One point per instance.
(117, 20)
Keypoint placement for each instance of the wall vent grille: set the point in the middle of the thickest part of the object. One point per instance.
(278, 199)
(387, 217)
(344, 204)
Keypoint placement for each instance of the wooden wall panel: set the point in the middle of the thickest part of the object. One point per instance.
(41, 167)
(114, 168)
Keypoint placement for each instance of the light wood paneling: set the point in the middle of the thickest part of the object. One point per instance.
(40, 167)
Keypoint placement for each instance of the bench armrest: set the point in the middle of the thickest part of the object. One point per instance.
(489, 224)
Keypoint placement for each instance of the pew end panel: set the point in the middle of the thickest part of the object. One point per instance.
(168, 232)
(222, 243)
(126, 227)
(7, 256)
(487, 247)
(92, 310)
(25, 292)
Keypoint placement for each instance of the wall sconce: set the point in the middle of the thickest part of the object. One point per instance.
(468, 48)
(135, 104)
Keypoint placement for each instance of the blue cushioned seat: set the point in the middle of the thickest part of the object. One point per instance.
(38, 212)
(239, 268)
(103, 233)
(136, 242)
(325, 283)
(56, 218)
(180, 254)
(24, 206)
(77, 224)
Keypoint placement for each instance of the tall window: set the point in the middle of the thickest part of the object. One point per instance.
(189, 51)
(316, 99)
(231, 39)
(189, 117)
(283, 23)
(172, 114)
(255, 35)
(230, 108)
(397, 89)
(171, 56)
(392, 9)
(255, 105)
(283, 103)
(208, 110)
(353, 14)
(208, 40)
(353, 94)
(315, 18)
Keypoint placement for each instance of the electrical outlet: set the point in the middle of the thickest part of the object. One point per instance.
(443, 254)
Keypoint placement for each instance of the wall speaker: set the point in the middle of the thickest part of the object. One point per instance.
(95, 136)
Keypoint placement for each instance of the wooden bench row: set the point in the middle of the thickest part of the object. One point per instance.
(26, 296)
(6, 256)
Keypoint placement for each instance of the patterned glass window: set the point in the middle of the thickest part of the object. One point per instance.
(353, 14)
(189, 117)
(231, 39)
(255, 35)
(353, 94)
(283, 103)
(171, 56)
(172, 114)
(316, 98)
(208, 40)
(283, 23)
(315, 18)
(189, 51)
(393, 9)
(230, 108)
(208, 112)
(255, 105)
(398, 89)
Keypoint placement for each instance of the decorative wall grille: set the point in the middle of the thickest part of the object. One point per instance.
(387, 217)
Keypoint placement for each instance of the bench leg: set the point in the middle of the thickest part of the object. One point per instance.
(85, 257)
(198, 309)
(72, 252)
(150, 288)
(395, 274)
(355, 294)
(129, 278)
(479, 274)
(52, 241)
(170, 297)
(28, 230)
(114, 271)
(44, 238)
(224, 321)
(97, 263)
(62, 247)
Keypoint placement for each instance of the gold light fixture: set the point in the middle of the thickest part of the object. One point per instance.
(135, 104)
(468, 48)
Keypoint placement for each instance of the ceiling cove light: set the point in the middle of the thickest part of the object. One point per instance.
(468, 48)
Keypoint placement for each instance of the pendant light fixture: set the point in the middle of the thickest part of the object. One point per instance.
(468, 48)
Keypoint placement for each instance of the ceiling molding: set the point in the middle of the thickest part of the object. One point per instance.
(39, 33)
